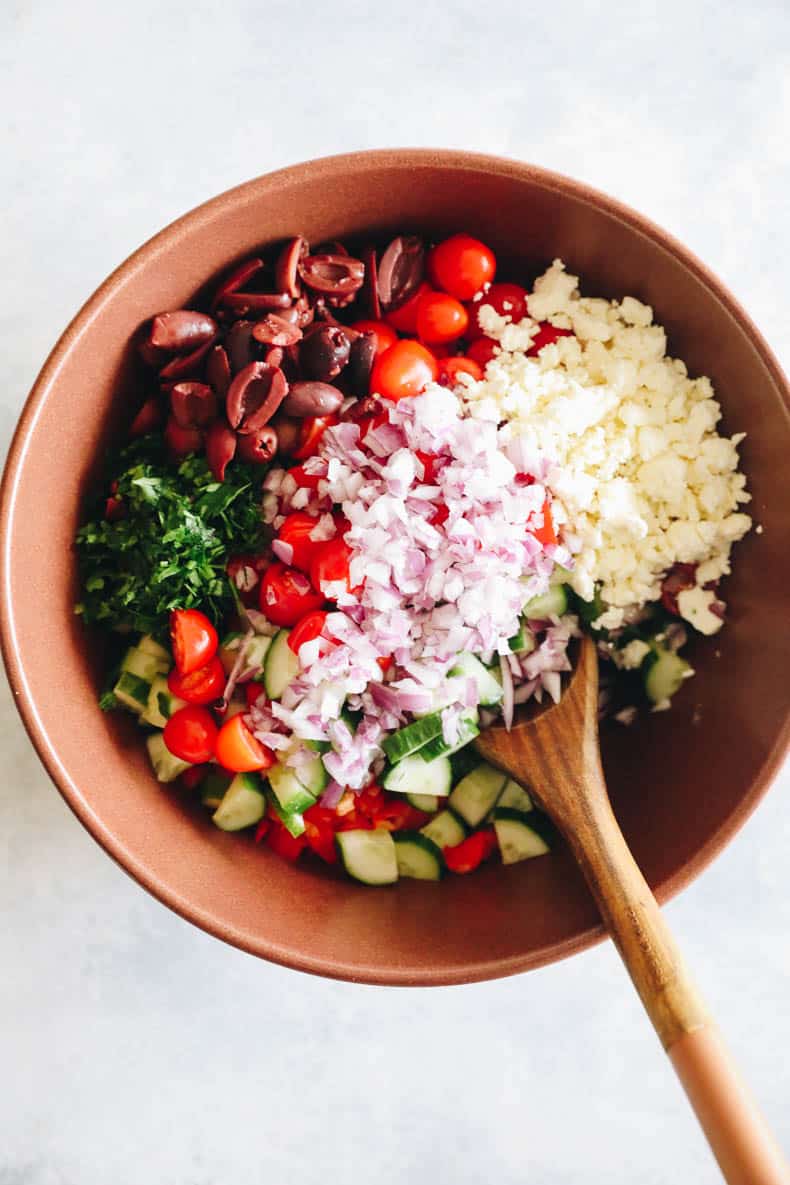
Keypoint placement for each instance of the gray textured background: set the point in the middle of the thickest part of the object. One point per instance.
(133, 1048)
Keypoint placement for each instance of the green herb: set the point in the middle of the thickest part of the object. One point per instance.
(171, 548)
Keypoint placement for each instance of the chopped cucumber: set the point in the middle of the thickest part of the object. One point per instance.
(590, 611)
(663, 673)
(228, 651)
(137, 672)
(552, 603)
(243, 804)
(369, 856)
(489, 685)
(132, 692)
(292, 796)
(476, 794)
(313, 775)
(166, 765)
(522, 642)
(515, 797)
(518, 836)
(257, 650)
(446, 830)
(413, 737)
(427, 803)
(281, 666)
(292, 821)
(145, 666)
(417, 856)
(468, 729)
(463, 761)
(213, 787)
(414, 776)
(161, 703)
(149, 646)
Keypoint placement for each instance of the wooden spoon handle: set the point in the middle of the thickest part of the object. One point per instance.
(740, 1140)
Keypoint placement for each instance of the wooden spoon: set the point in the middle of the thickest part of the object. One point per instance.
(557, 754)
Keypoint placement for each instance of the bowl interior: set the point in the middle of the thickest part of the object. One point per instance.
(681, 781)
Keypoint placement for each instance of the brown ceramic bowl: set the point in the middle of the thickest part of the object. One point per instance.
(682, 782)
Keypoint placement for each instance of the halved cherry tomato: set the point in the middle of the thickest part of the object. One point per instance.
(280, 840)
(482, 350)
(253, 692)
(546, 336)
(450, 368)
(296, 531)
(506, 299)
(404, 317)
(384, 333)
(331, 566)
(194, 640)
(191, 778)
(148, 417)
(308, 481)
(202, 686)
(462, 266)
(470, 853)
(286, 594)
(403, 370)
(307, 629)
(319, 829)
(310, 433)
(191, 734)
(546, 533)
(238, 750)
(440, 318)
(182, 441)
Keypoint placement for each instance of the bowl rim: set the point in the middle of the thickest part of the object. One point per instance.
(330, 166)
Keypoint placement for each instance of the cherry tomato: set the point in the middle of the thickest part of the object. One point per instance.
(191, 734)
(148, 417)
(319, 829)
(193, 638)
(238, 750)
(461, 266)
(450, 368)
(308, 481)
(440, 318)
(310, 433)
(331, 566)
(280, 840)
(470, 853)
(403, 370)
(296, 531)
(202, 686)
(546, 533)
(286, 594)
(546, 336)
(482, 350)
(404, 317)
(182, 441)
(506, 299)
(385, 334)
(191, 778)
(310, 627)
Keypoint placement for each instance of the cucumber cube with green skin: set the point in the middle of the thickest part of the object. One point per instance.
(292, 796)
(161, 703)
(145, 666)
(552, 603)
(132, 692)
(663, 672)
(292, 821)
(368, 856)
(417, 856)
(520, 836)
(522, 642)
(468, 729)
(515, 797)
(476, 794)
(489, 685)
(149, 646)
(213, 787)
(243, 804)
(445, 829)
(281, 665)
(413, 776)
(166, 765)
(412, 737)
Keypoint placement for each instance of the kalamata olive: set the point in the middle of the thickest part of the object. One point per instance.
(312, 399)
(360, 363)
(260, 445)
(220, 448)
(236, 279)
(242, 303)
(335, 275)
(323, 353)
(218, 371)
(239, 345)
(286, 274)
(194, 405)
(288, 432)
(254, 396)
(400, 270)
(371, 285)
(181, 331)
(185, 365)
(274, 330)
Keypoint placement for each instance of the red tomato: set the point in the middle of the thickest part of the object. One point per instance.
(546, 336)
(202, 686)
(482, 351)
(261, 829)
(305, 630)
(148, 417)
(307, 480)
(546, 533)
(182, 441)
(404, 317)
(430, 462)
(191, 778)
(280, 840)
(238, 750)
(193, 638)
(331, 565)
(461, 266)
(296, 531)
(385, 662)
(507, 299)
(450, 368)
(403, 370)
(440, 515)
(253, 692)
(319, 829)
(385, 334)
(191, 734)
(286, 594)
(440, 318)
(470, 853)
(310, 433)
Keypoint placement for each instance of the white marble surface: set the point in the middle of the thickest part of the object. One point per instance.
(135, 1048)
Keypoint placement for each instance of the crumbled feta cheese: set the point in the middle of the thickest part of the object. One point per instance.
(631, 657)
(694, 605)
(640, 477)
